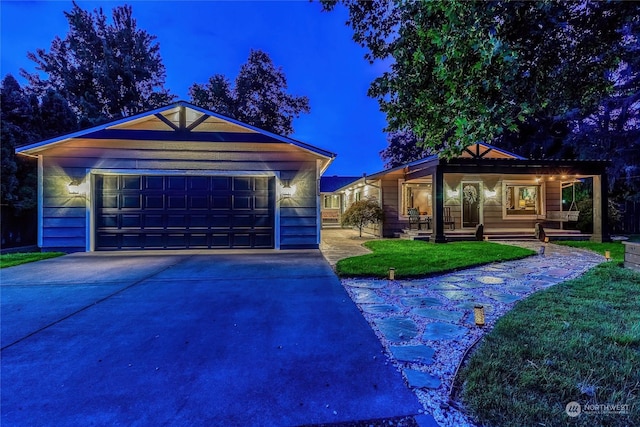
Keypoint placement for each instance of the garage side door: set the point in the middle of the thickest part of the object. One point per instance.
(189, 212)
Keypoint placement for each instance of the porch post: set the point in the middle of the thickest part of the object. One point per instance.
(438, 210)
(600, 208)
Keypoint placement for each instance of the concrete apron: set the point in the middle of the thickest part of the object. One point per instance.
(214, 338)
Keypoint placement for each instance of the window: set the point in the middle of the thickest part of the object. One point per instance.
(417, 195)
(522, 200)
(331, 201)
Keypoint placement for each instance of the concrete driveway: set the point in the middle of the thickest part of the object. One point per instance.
(189, 338)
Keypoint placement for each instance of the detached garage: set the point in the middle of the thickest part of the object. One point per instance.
(179, 177)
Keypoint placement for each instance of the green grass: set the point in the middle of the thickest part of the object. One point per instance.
(616, 248)
(578, 341)
(412, 258)
(9, 260)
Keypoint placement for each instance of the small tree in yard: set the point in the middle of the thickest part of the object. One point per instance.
(362, 213)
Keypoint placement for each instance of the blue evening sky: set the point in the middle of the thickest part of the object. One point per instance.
(201, 38)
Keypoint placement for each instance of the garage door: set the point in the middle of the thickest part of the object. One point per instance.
(183, 212)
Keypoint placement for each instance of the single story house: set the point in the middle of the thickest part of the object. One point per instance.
(506, 193)
(178, 177)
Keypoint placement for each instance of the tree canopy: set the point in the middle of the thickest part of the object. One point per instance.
(104, 70)
(468, 71)
(403, 148)
(258, 97)
(25, 119)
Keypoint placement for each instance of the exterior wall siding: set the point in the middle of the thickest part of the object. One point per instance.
(65, 217)
(391, 199)
(493, 206)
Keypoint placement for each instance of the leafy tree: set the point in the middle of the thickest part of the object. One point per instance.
(55, 116)
(24, 120)
(216, 95)
(403, 148)
(468, 71)
(258, 97)
(104, 70)
(362, 213)
(16, 117)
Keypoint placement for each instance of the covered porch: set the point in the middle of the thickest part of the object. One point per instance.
(507, 196)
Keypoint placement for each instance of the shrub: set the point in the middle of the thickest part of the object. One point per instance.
(362, 213)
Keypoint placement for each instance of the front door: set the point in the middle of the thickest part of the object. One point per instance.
(471, 204)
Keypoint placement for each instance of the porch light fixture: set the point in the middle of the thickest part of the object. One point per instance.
(490, 194)
(453, 194)
(392, 273)
(75, 187)
(478, 314)
(287, 190)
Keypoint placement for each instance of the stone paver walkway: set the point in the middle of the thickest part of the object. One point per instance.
(427, 325)
(339, 243)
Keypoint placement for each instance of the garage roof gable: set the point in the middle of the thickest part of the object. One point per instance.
(180, 121)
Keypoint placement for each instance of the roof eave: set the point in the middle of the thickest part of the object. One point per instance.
(31, 149)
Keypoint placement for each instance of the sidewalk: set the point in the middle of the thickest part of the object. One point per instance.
(427, 325)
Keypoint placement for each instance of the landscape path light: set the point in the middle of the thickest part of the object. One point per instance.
(478, 314)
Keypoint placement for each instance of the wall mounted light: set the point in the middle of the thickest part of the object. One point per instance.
(490, 194)
(453, 194)
(287, 190)
(76, 187)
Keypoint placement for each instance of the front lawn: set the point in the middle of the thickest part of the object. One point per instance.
(616, 248)
(9, 260)
(413, 258)
(578, 341)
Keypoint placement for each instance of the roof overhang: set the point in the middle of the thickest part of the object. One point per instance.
(180, 121)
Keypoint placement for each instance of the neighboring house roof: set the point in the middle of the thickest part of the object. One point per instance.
(176, 122)
(329, 184)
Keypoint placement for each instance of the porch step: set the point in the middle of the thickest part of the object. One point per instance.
(422, 235)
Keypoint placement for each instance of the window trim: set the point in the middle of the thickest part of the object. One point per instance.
(401, 186)
(527, 183)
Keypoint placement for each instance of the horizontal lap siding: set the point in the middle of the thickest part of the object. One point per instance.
(553, 195)
(493, 207)
(299, 214)
(392, 223)
(64, 216)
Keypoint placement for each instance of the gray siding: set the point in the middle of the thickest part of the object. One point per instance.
(64, 216)
(391, 198)
(493, 207)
